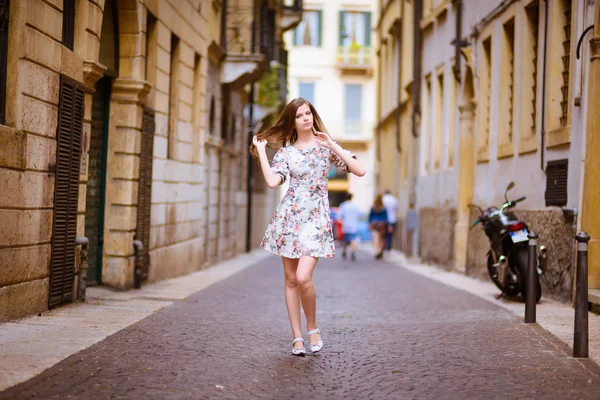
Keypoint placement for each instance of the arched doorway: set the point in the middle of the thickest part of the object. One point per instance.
(466, 170)
(98, 149)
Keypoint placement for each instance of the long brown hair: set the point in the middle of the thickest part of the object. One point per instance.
(378, 203)
(283, 131)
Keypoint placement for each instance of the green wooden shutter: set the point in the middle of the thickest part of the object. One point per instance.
(341, 33)
(367, 28)
(66, 191)
(320, 27)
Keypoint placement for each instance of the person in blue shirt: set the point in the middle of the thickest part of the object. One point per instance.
(349, 214)
(378, 223)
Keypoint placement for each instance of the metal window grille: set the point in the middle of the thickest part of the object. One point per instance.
(66, 191)
(68, 38)
(556, 182)
(4, 14)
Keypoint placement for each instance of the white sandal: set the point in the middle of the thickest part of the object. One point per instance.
(298, 352)
(315, 347)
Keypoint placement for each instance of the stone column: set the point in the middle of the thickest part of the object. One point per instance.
(122, 177)
(466, 178)
(590, 217)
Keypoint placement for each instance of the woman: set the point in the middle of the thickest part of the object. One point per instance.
(378, 221)
(300, 229)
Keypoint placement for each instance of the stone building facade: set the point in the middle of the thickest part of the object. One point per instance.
(125, 123)
(395, 141)
(504, 97)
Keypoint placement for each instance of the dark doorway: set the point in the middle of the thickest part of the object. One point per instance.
(96, 186)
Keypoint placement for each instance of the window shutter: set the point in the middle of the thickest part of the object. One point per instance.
(367, 28)
(4, 14)
(557, 173)
(68, 38)
(320, 27)
(66, 191)
(341, 34)
(145, 191)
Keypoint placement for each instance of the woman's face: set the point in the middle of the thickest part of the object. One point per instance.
(304, 118)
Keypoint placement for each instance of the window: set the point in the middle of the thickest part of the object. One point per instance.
(528, 107)
(439, 120)
(4, 9)
(485, 81)
(559, 49)
(308, 32)
(173, 97)
(353, 108)
(507, 90)
(306, 90)
(66, 191)
(426, 126)
(68, 34)
(355, 29)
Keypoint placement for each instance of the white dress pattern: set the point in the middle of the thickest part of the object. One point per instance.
(301, 225)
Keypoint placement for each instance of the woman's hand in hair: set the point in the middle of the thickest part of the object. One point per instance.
(325, 140)
(259, 143)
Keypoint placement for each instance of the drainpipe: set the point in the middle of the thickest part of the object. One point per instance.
(416, 96)
(458, 39)
(399, 100)
(416, 87)
(249, 176)
(378, 111)
(543, 125)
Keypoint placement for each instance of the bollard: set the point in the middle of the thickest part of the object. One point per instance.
(580, 335)
(530, 280)
(138, 247)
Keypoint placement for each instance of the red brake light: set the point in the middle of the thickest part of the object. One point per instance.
(516, 227)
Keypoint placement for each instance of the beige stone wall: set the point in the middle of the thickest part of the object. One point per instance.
(199, 191)
(436, 236)
(28, 153)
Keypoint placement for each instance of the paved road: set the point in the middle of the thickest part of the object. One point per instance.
(389, 334)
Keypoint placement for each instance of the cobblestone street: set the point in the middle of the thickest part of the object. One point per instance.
(388, 333)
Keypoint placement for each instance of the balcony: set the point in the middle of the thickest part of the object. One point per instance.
(355, 60)
(291, 14)
(248, 42)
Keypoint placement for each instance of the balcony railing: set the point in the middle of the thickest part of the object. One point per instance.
(356, 57)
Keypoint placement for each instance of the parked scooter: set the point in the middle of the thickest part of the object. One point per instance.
(508, 256)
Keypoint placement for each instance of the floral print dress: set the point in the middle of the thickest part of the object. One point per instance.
(301, 225)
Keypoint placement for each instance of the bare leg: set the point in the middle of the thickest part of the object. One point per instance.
(304, 273)
(353, 248)
(292, 297)
(375, 236)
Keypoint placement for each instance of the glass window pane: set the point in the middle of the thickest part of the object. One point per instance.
(353, 96)
(308, 31)
(306, 90)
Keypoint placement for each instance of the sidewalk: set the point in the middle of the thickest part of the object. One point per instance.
(557, 318)
(34, 344)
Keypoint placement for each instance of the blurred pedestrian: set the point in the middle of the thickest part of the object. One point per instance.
(378, 221)
(349, 215)
(392, 206)
(300, 229)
